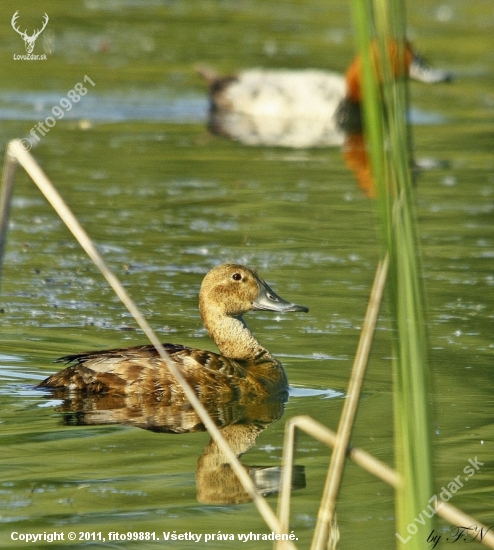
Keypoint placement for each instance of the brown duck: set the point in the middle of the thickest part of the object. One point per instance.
(244, 367)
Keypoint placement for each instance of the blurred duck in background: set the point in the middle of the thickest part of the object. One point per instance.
(298, 108)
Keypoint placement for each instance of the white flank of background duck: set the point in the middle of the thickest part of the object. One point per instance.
(295, 108)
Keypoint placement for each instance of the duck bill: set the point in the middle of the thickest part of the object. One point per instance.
(421, 72)
(268, 300)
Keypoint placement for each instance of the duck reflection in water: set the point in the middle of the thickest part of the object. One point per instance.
(244, 388)
(239, 423)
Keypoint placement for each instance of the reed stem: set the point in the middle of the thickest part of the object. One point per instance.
(379, 24)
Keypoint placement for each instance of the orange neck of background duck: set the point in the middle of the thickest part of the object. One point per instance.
(400, 67)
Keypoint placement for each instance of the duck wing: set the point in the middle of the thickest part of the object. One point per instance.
(147, 351)
(141, 370)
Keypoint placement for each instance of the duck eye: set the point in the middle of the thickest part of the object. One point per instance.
(237, 277)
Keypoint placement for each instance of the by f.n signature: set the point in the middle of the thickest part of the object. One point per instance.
(459, 533)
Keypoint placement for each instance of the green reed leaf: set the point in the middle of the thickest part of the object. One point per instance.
(378, 24)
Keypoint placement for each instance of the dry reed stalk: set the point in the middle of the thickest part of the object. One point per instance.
(337, 464)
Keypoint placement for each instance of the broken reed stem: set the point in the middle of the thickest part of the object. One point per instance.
(16, 152)
(366, 461)
(322, 531)
(325, 435)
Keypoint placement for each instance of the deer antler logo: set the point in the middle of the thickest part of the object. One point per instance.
(29, 41)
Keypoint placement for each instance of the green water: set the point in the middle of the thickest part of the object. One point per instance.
(165, 201)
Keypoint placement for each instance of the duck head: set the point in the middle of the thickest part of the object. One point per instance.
(231, 290)
(402, 64)
(227, 292)
(408, 64)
